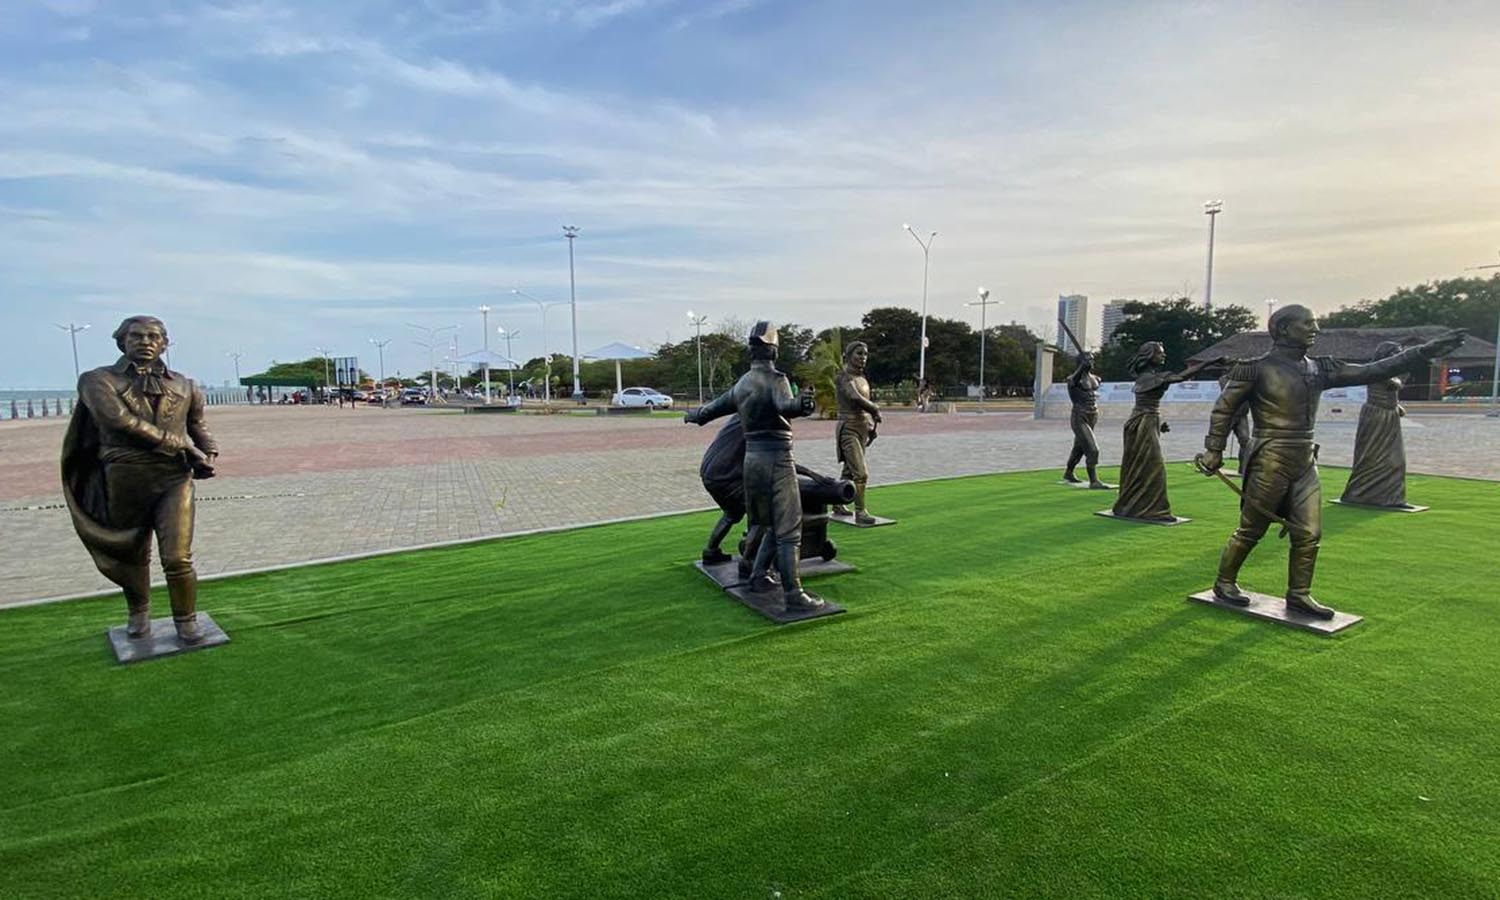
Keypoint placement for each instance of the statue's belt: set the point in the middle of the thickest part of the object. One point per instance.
(1282, 434)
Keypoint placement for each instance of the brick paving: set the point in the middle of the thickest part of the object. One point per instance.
(304, 483)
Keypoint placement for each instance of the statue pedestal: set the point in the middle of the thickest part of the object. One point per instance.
(770, 603)
(1086, 486)
(1273, 609)
(1408, 508)
(1110, 514)
(849, 520)
(162, 641)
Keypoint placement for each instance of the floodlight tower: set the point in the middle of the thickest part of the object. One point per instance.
(983, 302)
(698, 323)
(1211, 209)
(571, 233)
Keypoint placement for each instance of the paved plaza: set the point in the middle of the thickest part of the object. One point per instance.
(304, 483)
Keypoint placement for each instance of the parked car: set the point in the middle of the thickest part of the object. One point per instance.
(413, 397)
(642, 396)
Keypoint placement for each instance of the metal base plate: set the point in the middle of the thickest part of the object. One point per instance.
(1408, 508)
(1087, 486)
(771, 605)
(162, 641)
(1110, 514)
(849, 520)
(1273, 609)
(727, 574)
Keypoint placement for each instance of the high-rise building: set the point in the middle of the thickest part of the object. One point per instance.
(1114, 314)
(1073, 309)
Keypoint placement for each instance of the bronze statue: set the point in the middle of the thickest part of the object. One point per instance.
(1379, 474)
(858, 418)
(1281, 474)
(1083, 391)
(1143, 471)
(136, 441)
(764, 401)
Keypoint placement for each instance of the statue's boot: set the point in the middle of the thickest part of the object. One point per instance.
(1070, 478)
(184, 593)
(761, 578)
(135, 582)
(1300, 565)
(840, 509)
(861, 515)
(794, 597)
(712, 554)
(1094, 481)
(1226, 587)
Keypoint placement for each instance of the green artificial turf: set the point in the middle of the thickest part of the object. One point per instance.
(1018, 702)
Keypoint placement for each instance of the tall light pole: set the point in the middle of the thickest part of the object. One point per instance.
(509, 336)
(431, 345)
(1211, 209)
(72, 331)
(1495, 375)
(1270, 311)
(236, 354)
(546, 352)
(983, 302)
(324, 353)
(926, 260)
(571, 232)
(380, 349)
(698, 323)
(484, 329)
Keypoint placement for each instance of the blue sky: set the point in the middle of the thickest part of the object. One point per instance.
(271, 176)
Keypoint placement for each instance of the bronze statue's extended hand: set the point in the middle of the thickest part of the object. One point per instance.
(1444, 345)
(808, 402)
(1165, 428)
(1209, 461)
(691, 417)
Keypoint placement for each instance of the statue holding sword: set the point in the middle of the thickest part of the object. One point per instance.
(136, 442)
(1282, 389)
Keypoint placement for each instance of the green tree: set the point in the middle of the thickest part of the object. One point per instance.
(1471, 303)
(1182, 326)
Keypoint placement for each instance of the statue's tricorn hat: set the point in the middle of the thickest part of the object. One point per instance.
(765, 333)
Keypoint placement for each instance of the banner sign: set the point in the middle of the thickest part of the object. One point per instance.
(1190, 392)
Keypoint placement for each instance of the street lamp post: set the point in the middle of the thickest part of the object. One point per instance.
(698, 323)
(236, 355)
(571, 232)
(1270, 311)
(546, 353)
(485, 330)
(926, 260)
(1494, 375)
(72, 331)
(509, 336)
(983, 302)
(324, 353)
(1211, 209)
(380, 350)
(431, 345)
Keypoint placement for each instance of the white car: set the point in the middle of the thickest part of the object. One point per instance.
(642, 396)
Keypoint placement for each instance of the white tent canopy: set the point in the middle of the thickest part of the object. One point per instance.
(618, 351)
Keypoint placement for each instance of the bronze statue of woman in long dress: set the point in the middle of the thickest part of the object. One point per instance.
(1143, 470)
(1379, 475)
(1083, 391)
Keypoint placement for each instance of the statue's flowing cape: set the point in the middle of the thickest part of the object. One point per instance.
(84, 491)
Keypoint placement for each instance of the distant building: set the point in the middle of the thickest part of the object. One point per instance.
(1114, 314)
(1073, 309)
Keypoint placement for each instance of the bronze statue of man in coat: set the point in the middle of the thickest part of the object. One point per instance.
(1280, 473)
(136, 442)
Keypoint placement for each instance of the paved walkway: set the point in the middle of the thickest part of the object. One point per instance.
(304, 483)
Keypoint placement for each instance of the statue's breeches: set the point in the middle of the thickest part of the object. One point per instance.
(771, 493)
(852, 438)
(159, 498)
(1282, 477)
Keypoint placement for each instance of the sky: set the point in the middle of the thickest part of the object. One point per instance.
(272, 177)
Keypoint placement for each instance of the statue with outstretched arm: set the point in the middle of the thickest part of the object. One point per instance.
(764, 401)
(1282, 389)
(858, 418)
(1143, 469)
